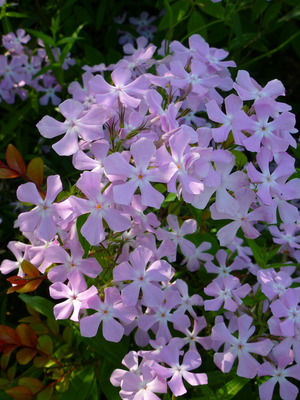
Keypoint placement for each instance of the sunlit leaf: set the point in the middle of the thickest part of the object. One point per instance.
(29, 269)
(35, 170)
(24, 356)
(15, 160)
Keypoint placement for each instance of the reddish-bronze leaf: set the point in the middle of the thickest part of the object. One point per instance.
(35, 385)
(27, 335)
(16, 280)
(31, 285)
(35, 171)
(14, 289)
(20, 393)
(29, 269)
(24, 356)
(9, 339)
(15, 160)
(6, 172)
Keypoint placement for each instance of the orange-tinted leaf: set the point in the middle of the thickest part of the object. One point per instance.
(30, 320)
(14, 289)
(29, 269)
(31, 286)
(15, 160)
(27, 335)
(24, 356)
(16, 280)
(35, 171)
(35, 385)
(20, 393)
(6, 173)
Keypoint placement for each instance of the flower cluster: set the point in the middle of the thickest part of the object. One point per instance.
(20, 65)
(142, 140)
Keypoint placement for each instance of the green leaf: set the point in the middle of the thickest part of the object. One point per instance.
(45, 69)
(39, 304)
(230, 389)
(195, 24)
(240, 158)
(176, 11)
(259, 253)
(196, 214)
(45, 38)
(292, 14)
(214, 9)
(113, 352)
(70, 43)
(93, 55)
(68, 40)
(237, 27)
(111, 392)
(15, 14)
(271, 13)
(79, 385)
(84, 243)
(46, 394)
(100, 14)
(258, 8)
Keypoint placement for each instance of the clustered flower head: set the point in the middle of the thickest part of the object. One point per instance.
(139, 140)
(19, 66)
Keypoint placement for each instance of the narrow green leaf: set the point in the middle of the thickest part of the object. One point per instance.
(100, 14)
(68, 40)
(196, 214)
(196, 23)
(271, 13)
(84, 243)
(15, 14)
(45, 38)
(258, 253)
(292, 14)
(69, 45)
(258, 8)
(214, 9)
(237, 27)
(45, 69)
(174, 13)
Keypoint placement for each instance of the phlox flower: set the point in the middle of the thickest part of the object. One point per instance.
(287, 307)
(191, 361)
(106, 311)
(187, 301)
(42, 217)
(193, 262)
(20, 251)
(247, 365)
(273, 283)
(287, 390)
(142, 278)
(75, 291)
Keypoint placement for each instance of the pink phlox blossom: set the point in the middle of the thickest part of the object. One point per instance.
(287, 390)
(95, 68)
(163, 314)
(12, 71)
(288, 343)
(68, 61)
(233, 104)
(129, 241)
(144, 19)
(13, 42)
(179, 371)
(224, 268)
(21, 252)
(125, 37)
(193, 120)
(243, 251)
(141, 278)
(166, 249)
(177, 236)
(183, 53)
(191, 337)
(273, 283)
(287, 307)
(99, 206)
(154, 355)
(31, 66)
(116, 168)
(242, 218)
(130, 361)
(287, 238)
(136, 211)
(227, 290)
(187, 302)
(138, 62)
(232, 328)
(83, 162)
(143, 387)
(147, 31)
(36, 253)
(84, 95)
(50, 95)
(106, 311)
(288, 212)
(141, 42)
(262, 131)
(87, 124)
(107, 94)
(141, 337)
(193, 262)
(240, 347)
(75, 291)
(213, 57)
(268, 185)
(42, 217)
(87, 266)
